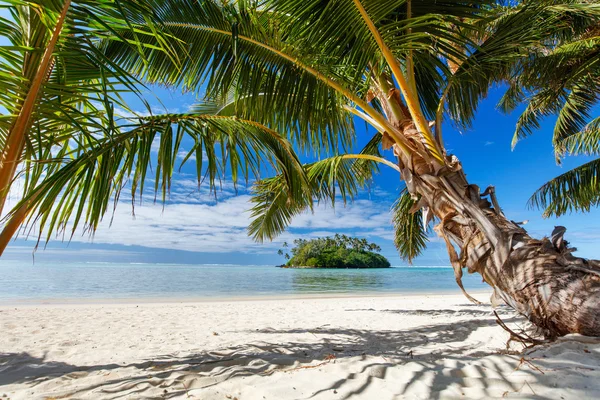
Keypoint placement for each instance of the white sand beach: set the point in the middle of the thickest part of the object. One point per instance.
(416, 347)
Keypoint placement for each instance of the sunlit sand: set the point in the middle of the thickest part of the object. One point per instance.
(436, 346)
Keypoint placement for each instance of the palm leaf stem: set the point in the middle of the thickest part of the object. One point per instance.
(18, 133)
(17, 218)
(386, 88)
(439, 114)
(410, 97)
(372, 158)
(365, 118)
(410, 65)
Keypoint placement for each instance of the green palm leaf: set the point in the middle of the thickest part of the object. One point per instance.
(586, 142)
(575, 190)
(92, 177)
(59, 89)
(335, 176)
(238, 50)
(410, 236)
(562, 77)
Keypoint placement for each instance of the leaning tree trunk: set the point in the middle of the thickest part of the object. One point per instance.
(558, 292)
(541, 279)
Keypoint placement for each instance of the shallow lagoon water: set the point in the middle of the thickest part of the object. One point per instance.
(40, 281)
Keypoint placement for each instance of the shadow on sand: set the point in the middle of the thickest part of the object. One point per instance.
(169, 376)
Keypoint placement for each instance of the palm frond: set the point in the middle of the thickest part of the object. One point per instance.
(273, 209)
(338, 178)
(586, 142)
(81, 87)
(410, 236)
(575, 111)
(503, 47)
(575, 190)
(561, 76)
(238, 49)
(94, 175)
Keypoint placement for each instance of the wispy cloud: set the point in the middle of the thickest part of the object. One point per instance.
(199, 223)
(193, 219)
(221, 227)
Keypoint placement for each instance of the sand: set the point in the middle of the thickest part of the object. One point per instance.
(416, 347)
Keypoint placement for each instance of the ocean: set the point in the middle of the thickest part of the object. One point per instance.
(27, 282)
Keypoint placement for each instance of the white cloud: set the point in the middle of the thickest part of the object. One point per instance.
(221, 226)
(360, 214)
(193, 227)
(193, 220)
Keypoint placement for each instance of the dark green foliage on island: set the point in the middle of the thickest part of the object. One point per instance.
(340, 251)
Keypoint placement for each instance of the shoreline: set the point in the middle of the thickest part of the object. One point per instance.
(68, 301)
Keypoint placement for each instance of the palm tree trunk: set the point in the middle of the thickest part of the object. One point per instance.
(17, 136)
(540, 279)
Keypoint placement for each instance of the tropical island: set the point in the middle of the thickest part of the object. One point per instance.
(341, 251)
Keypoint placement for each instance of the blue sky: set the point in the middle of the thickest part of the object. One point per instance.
(194, 228)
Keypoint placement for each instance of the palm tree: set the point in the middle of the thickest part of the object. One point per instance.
(309, 67)
(58, 88)
(563, 78)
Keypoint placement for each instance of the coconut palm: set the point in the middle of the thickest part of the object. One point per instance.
(563, 77)
(309, 68)
(58, 90)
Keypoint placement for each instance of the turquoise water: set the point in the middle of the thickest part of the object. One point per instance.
(25, 281)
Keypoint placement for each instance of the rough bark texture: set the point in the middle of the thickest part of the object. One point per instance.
(541, 279)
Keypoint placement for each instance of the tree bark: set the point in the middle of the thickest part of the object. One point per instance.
(541, 279)
(558, 292)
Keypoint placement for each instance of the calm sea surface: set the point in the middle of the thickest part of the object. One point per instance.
(21, 281)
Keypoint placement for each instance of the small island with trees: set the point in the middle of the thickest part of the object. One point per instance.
(341, 251)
